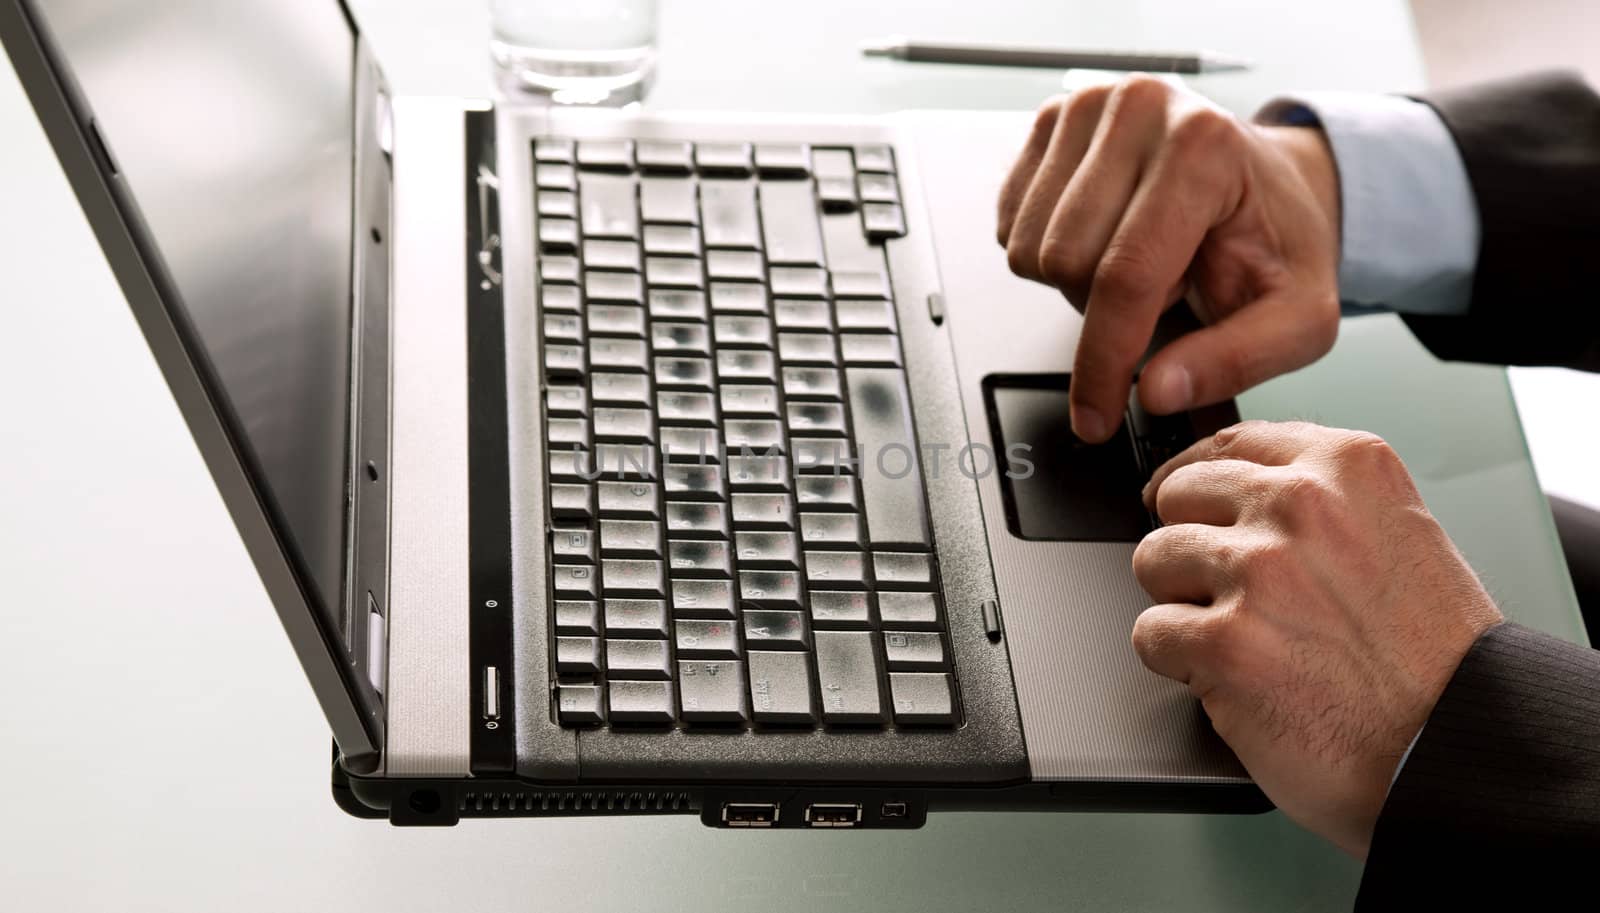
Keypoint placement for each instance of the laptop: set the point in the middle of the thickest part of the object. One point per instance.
(627, 463)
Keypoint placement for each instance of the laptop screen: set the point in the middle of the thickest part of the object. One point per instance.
(230, 121)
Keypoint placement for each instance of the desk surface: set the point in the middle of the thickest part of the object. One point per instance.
(133, 629)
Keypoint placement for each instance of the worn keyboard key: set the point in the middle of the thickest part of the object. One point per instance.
(683, 373)
(875, 157)
(624, 288)
(702, 598)
(618, 424)
(579, 617)
(607, 207)
(922, 698)
(697, 520)
(914, 651)
(770, 590)
(883, 220)
(571, 502)
(807, 349)
(728, 214)
(633, 577)
(747, 364)
(741, 265)
(762, 511)
(617, 389)
(840, 609)
(814, 419)
(572, 546)
(636, 618)
(738, 297)
(628, 500)
(579, 705)
(865, 283)
(870, 349)
(674, 272)
(759, 473)
(670, 200)
(833, 530)
(552, 149)
(823, 456)
(711, 691)
(780, 687)
(836, 570)
(773, 630)
(555, 176)
(699, 558)
(563, 328)
(611, 255)
(909, 610)
(877, 188)
(756, 435)
(680, 338)
(798, 282)
(789, 222)
(778, 551)
(578, 657)
(686, 408)
(896, 512)
(872, 315)
(616, 320)
(677, 304)
(557, 204)
(633, 462)
(749, 399)
(630, 538)
(663, 155)
(783, 158)
(690, 482)
(723, 157)
(837, 194)
(902, 570)
(558, 269)
(812, 383)
(570, 464)
(558, 234)
(742, 330)
(609, 154)
(802, 314)
(691, 445)
(637, 659)
(563, 360)
(676, 240)
(699, 639)
(648, 703)
(847, 677)
(563, 298)
(566, 399)
(825, 493)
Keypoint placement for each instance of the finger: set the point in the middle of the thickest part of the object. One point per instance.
(1170, 637)
(1098, 194)
(1027, 163)
(1269, 337)
(1266, 443)
(1213, 492)
(1180, 563)
(1068, 142)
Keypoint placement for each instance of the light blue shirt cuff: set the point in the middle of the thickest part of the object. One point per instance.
(1410, 221)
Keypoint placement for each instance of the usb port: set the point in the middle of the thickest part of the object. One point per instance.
(749, 814)
(892, 810)
(833, 814)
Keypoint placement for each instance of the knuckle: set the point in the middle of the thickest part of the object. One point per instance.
(1061, 262)
(1086, 102)
(1021, 261)
(1044, 120)
(1126, 269)
(1203, 129)
(1140, 92)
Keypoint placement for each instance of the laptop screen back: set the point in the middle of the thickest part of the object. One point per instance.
(230, 121)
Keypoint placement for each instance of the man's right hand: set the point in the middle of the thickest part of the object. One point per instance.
(1129, 197)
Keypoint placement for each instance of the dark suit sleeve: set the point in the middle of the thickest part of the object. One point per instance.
(1500, 796)
(1531, 147)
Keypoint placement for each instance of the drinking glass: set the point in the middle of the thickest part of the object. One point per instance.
(576, 51)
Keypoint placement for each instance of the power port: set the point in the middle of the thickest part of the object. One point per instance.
(892, 810)
(749, 814)
(833, 814)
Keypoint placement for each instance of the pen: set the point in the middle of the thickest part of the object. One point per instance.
(999, 55)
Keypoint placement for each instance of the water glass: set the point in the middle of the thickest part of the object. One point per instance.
(576, 51)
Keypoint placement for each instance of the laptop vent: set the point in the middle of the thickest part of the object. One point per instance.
(575, 802)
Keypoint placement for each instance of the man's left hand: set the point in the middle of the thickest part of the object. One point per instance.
(1314, 606)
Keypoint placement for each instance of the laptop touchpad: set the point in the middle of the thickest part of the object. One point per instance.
(1056, 486)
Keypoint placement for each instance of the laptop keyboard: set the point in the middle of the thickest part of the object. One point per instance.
(720, 347)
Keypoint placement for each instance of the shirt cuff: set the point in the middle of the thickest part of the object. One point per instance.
(1410, 227)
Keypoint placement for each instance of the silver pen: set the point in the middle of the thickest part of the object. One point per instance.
(1004, 55)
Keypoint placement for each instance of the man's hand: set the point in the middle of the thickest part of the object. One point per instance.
(1312, 603)
(1130, 197)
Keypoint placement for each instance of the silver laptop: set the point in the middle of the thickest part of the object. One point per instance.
(617, 463)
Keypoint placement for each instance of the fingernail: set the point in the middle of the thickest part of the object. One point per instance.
(1088, 424)
(1174, 389)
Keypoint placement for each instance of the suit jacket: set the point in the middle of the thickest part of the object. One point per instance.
(1499, 798)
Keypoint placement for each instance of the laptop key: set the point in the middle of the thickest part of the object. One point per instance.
(641, 702)
(780, 687)
(831, 530)
(616, 320)
(566, 399)
(799, 282)
(789, 221)
(620, 389)
(555, 176)
(847, 677)
(883, 220)
(680, 240)
(677, 304)
(609, 154)
(567, 433)
(572, 546)
(843, 569)
(615, 424)
(817, 419)
(571, 502)
(760, 436)
(553, 269)
(636, 618)
(702, 599)
(749, 399)
(839, 609)
(558, 234)
(686, 408)
(550, 149)
(680, 338)
(922, 698)
(762, 511)
(661, 155)
(626, 288)
(723, 157)
(578, 657)
(629, 500)
(807, 349)
(877, 188)
(812, 383)
(774, 630)
(770, 589)
(664, 199)
(779, 551)
(579, 705)
(830, 458)
(563, 361)
(873, 315)
(637, 659)
(783, 158)
(738, 297)
(697, 639)
(875, 157)
(558, 204)
(759, 473)
(728, 213)
(674, 272)
(711, 691)
(880, 407)
(909, 610)
(825, 493)
(915, 651)
(633, 577)
(699, 558)
(578, 616)
(691, 520)
(560, 327)
(611, 255)
(837, 194)
(618, 354)
(743, 330)
(563, 298)
(869, 349)
(626, 462)
(630, 539)
(689, 482)
(747, 364)
(903, 570)
(691, 445)
(606, 206)
(683, 373)
(746, 266)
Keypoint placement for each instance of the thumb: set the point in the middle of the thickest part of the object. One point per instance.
(1271, 336)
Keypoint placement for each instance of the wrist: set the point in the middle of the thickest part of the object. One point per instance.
(1308, 151)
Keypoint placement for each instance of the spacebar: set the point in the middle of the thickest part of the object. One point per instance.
(880, 411)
